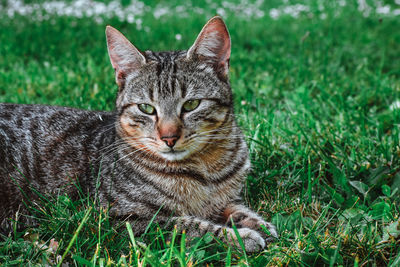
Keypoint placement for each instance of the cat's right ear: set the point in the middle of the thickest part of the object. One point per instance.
(124, 56)
(213, 45)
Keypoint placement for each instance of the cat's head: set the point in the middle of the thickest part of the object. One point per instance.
(173, 104)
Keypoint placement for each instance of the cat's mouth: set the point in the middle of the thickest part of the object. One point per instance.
(174, 154)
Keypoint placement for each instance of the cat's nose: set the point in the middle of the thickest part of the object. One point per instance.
(170, 140)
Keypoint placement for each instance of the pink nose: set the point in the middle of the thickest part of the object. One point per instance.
(170, 140)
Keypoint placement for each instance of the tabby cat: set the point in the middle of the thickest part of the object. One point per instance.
(172, 146)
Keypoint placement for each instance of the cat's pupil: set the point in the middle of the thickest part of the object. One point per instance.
(191, 105)
(146, 108)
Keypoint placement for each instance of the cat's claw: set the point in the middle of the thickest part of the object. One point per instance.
(272, 230)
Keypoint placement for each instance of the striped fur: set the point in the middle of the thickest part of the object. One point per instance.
(194, 182)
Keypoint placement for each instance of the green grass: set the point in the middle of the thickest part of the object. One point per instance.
(313, 96)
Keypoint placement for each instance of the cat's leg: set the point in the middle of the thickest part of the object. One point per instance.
(196, 227)
(243, 217)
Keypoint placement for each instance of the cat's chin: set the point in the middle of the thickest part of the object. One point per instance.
(174, 155)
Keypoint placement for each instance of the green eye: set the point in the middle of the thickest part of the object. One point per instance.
(191, 105)
(146, 108)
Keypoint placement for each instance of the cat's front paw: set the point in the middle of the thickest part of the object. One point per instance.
(255, 222)
(252, 240)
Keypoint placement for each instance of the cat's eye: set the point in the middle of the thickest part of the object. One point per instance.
(191, 105)
(146, 108)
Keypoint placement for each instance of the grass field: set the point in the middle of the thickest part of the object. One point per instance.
(317, 92)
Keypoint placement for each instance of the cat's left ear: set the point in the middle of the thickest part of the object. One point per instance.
(124, 56)
(213, 45)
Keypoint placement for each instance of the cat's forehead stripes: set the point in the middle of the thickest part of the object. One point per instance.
(166, 65)
(169, 75)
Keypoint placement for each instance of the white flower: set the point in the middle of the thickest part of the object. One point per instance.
(395, 105)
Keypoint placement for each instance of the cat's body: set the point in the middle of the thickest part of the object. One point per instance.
(172, 147)
(47, 148)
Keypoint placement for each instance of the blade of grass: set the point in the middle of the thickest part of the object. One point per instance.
(396, 261)
(240, 240)
(171, 248)
(228, 258)
(85, 218)
(133, 241)
(183, 249)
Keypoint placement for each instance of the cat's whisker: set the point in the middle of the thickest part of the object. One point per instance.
(127, 155)
(137, 138)
(116, 143)
(214, 137)
(222, 128)
(136, 141)
(113, 145)
(217, 134)
(118, 147)
(212, 131)
(115, 162)
(121, 143)
(107, 128)
(197, 136)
